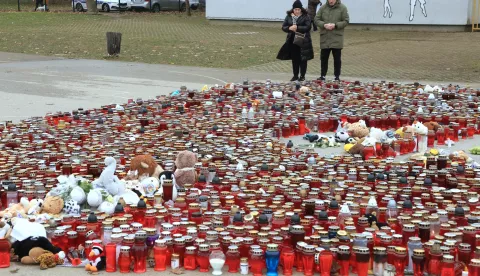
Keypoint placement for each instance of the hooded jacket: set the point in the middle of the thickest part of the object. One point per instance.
(337, 14)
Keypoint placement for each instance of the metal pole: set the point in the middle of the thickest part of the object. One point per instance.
(18, 4)
(150, 3)
(179, 6)
(118, 6)
(73, 5)
(46, 5)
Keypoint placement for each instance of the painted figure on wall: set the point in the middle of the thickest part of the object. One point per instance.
(387, 9)
(413, 3)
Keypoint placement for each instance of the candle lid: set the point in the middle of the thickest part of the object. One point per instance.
(362, 250)
(448, 258)
(379, 250)
(475, 262)
(309, 249)
(400, 250)
(418, 252)
(204, 247)
(125, 249)
(161, 242)
(190, 249)
(140, 235)
(464, 246)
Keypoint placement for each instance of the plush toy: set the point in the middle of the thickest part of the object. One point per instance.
(376, 134)
(34, 207)
(185, 172)
(71, 207)
(311, 137)
(460, 155)
(96, 259)
(406, 129)
(39, 255)
(341, 136)
(108, 180)
(145, 165)
(48, 260)
(419, 128)
(52, 205)
(168, 175)
(150, 185)
(358, 129)
(357, 148)
(388, 137)
(432, 126)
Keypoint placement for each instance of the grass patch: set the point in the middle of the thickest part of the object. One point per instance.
(167, 38)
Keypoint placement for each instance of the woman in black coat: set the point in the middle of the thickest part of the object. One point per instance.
(297, 20)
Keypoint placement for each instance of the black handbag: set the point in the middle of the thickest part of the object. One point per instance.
(299, 39)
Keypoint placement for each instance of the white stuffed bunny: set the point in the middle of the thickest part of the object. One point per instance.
(108, 179)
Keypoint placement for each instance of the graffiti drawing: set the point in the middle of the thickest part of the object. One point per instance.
(387, 9)
(413, 3)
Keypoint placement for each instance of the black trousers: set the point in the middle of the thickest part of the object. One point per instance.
(38, 3)
(337, 61)
(298, 65)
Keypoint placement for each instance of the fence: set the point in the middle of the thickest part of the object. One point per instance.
(475, 15)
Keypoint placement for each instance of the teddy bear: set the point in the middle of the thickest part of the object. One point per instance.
(45, 258)
(145, 165)
(358, 129)
(357, 148)
(52, 205)
(185, 172)
(48, 260)
(460, 155)
(432, 126)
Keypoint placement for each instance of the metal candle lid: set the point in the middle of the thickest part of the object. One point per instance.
(190, 249)
(400, 250)
(419, 253)
(141, 235)
(204, 247)
(344, 249)
(160, 243)
(272, 247)
(362, 250)
(125, 249)
(380, 250)
(309, 249)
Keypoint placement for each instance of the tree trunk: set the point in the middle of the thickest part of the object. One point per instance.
(92, 6)
(187, 6)
(114, 42)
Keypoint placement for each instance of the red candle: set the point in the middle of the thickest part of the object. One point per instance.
(160, 255)
(257, 262)
(362, 255)
(418, 259)
(202, 257)
(326, 261)
(190, 262)
(448, 266)
(400, 260)
(111, 257)
(124, 260)
(308, 259)
(343, 257)
(233, 259)
(287, 260)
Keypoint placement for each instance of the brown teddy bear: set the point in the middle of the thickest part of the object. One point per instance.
(357, 130)
(145, 165)
(185, 172)
(46, 259)
(432, 126)
(52, 205)
(357, 148)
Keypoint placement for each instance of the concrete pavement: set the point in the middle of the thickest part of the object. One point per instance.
(34, 85)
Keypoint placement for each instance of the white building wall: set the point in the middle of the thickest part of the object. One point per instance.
(425, 12)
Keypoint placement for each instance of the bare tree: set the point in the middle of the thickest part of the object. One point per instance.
(187, 7)
(92, 6)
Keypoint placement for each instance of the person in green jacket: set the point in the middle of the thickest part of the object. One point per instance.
(331, 19)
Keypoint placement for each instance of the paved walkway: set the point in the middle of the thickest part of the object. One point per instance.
(401, 55)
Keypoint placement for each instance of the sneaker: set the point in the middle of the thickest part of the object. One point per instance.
(337, 79)
(301, 79)
(322, 78)
(294, 78)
